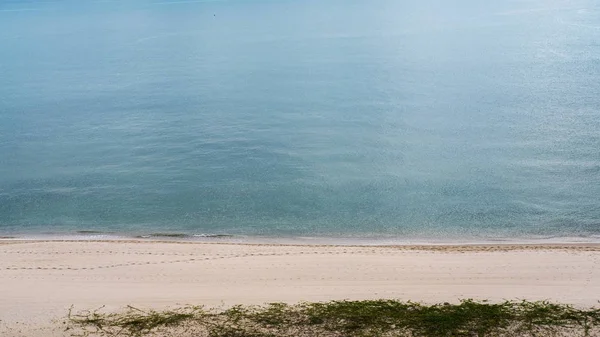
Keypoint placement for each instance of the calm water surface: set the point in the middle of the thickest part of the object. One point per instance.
(334, 118)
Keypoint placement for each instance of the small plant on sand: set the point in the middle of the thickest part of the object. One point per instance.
(375, 318)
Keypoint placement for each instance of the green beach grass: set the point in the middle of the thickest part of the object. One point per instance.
(345, 319)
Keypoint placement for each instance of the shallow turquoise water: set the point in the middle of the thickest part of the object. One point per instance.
(386, 118)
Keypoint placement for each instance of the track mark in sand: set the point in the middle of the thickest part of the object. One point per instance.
(199, 257)
(196, 258)
(21, 252)
(116, 265)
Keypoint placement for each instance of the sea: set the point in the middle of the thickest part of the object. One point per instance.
(378, 120)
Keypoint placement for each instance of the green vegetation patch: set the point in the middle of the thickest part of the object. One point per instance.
(346, 319)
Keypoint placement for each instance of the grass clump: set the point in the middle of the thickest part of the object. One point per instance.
(374, 318)
(134, 322)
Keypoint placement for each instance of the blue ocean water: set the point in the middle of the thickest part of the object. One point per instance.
(418, 119)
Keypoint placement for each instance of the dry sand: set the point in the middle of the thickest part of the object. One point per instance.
(40, 280)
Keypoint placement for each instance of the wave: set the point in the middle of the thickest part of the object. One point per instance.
(182, 235)
(91, 232)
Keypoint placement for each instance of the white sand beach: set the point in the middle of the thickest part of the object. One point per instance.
(41, 280)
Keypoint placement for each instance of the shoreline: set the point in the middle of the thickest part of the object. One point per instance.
(441, 247)
(300, 240)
